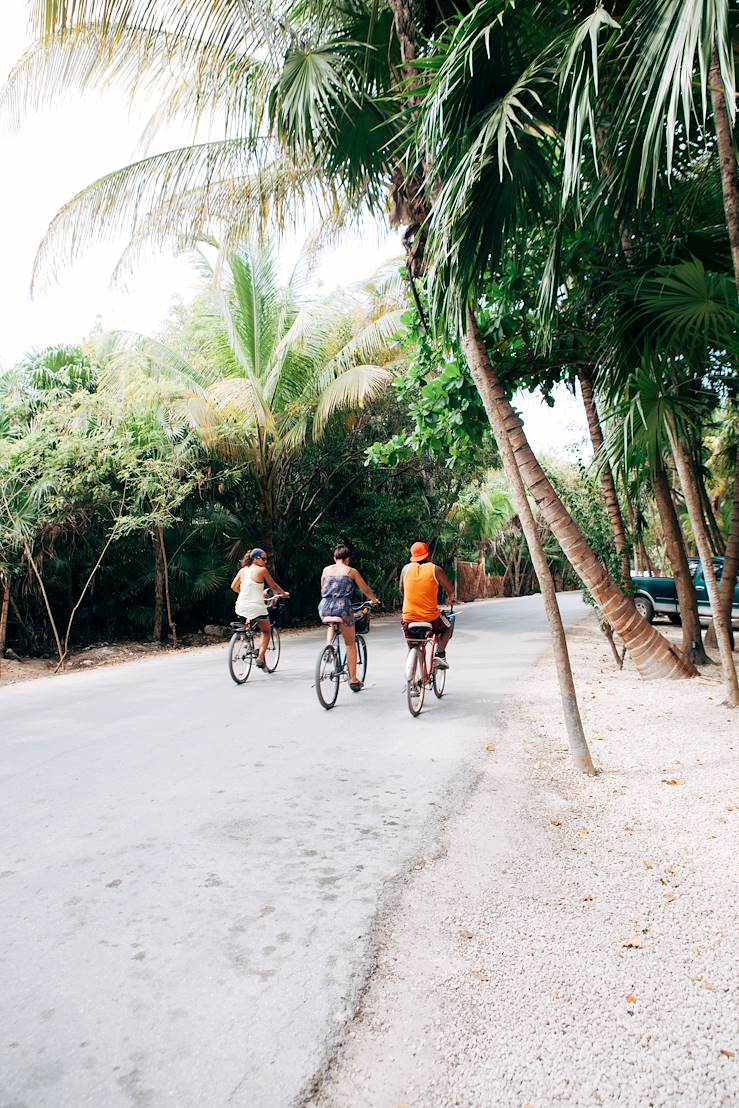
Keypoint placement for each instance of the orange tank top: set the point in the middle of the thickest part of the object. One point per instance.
(420, 592)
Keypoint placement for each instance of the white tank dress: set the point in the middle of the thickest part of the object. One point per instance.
(250, 601)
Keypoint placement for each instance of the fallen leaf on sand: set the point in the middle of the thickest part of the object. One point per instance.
(584, 832)
(587, 898)
(707, 985)
(599, 738)
(648, 864)
(556, 822)
(672, 781)
(632, 946)
(632, 998)
(728, 1053)
(490, 747)
(480, 975)
(467, 934)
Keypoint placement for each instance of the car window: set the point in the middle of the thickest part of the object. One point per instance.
(718, 569)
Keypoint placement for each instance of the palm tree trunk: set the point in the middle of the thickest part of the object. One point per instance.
(4, 617)
(727, 161)
(158, 590)
(731, 565)
(607, 482)
(640, 554)
(652, 655)
(712, 527)
(677, 554)
(693, 503)
(576, 735)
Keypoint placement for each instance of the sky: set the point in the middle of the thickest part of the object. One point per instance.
(57, 152)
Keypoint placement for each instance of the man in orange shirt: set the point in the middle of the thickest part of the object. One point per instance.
(419, 584)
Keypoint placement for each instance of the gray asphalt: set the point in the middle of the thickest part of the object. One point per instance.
(189, 870)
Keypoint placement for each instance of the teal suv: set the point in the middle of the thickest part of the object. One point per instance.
(655, 596)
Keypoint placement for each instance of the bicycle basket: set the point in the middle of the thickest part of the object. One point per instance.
(276, 613)
(362, 621)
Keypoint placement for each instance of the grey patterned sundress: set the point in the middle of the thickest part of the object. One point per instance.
(336, 598)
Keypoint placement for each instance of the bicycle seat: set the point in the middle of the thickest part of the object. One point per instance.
(330, 619)
(236, 626)
(419, 627)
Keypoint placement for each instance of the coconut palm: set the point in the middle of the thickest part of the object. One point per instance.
(271, 369)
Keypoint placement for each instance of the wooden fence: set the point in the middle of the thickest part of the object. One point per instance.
(473, 583)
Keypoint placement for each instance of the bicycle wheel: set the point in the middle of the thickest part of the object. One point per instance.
(361, 657)
(240, 653)
(414, 686)
(439, 682)
(272, 657)
(327, 677)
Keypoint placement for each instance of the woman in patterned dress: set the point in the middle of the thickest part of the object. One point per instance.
(337, 587)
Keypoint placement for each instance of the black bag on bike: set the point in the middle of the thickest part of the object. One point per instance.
(362, 621)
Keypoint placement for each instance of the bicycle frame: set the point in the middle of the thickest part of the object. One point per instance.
(336, 639)
(426, 648)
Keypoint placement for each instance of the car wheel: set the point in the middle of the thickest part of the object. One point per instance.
(645, 608)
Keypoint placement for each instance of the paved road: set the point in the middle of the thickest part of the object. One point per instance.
(189, 870)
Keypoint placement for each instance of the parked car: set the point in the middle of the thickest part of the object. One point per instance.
(658, 595)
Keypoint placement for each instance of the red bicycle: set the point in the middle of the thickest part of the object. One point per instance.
(420, 671)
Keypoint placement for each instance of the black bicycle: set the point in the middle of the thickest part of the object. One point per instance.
(331, 665)
(246, 640)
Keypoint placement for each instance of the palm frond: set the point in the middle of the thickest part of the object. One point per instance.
(354, 388)
(579, 81)
(245, 179)
(670, 55)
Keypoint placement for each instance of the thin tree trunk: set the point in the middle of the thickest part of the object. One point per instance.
(50, 614)
(477, 359)
(81, 597)
(158, 590)
(4, 617)
(712, 527)
(731, 565)
(640, 554)
(676, 552)
(727, 161)
(693, 503)
(607, 482)
(165, 566)
(652, 655)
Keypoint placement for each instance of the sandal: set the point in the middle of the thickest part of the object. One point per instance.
(260, 663)
(356, 686)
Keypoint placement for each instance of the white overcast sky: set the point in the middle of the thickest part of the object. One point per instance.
(58, 152)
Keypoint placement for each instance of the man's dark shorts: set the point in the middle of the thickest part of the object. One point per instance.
(438, 626)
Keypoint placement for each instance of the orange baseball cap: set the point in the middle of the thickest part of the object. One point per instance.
(419, 551)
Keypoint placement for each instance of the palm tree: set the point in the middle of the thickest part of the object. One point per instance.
(272, 368)
(314, 109)
(480, 515)
(678, 341)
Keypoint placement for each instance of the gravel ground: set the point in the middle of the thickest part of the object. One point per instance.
(575, 941)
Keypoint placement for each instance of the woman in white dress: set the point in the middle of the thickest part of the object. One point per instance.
(249, 583)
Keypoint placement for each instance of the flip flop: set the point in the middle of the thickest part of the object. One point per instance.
(356, 686)
(261, 664)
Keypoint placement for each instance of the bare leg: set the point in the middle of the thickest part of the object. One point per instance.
(266, 630)
(350, 639)
(444, 639)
